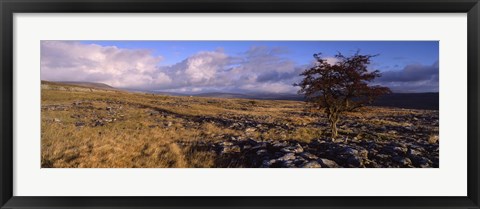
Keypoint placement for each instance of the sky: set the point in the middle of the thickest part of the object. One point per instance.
(231, 66)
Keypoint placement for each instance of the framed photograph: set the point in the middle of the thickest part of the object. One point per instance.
(239, 104)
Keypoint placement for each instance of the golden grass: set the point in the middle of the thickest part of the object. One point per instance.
(388, 122)
(158, 131)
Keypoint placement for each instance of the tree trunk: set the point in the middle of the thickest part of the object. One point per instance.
(333, 125)
(334, 129)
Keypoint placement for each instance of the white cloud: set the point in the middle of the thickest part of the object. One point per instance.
(204, 66)
(73, 61)
(259, 69)
(276, 87)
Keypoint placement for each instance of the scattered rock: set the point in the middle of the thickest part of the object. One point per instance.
(262, 152)
(308, 156)
(392, 132)
(354, 161)
(288, 164)
(287, 157)
(312, 164)
(421, 162)
(268, 163)
(363, 153)
(296, 149)
(400, 150)
(413, 152)
(280, 144)
(55, 107)
(226, 143)
(328, 163)
(79, 124)
(402, 160)
(231, 149)
(154, 112)
(349, 151)
(98, 123)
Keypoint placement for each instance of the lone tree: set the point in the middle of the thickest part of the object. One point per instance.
(341, 86)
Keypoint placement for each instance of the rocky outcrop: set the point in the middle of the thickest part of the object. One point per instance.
(327, 154)
(403, 138)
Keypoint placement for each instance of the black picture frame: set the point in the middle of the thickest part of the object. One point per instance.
(9, 7)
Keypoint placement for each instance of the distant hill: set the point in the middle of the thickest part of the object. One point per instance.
(223, 95)
(261, 96)
(167, 93)
(83, 84)
(427, 101)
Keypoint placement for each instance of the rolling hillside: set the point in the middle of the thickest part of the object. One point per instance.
(88, 127)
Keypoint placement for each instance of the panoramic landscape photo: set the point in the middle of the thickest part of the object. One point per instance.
(239, 104)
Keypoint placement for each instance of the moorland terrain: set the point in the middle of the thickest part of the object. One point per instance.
(97, 126)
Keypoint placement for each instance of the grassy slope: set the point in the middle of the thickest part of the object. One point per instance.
(101, 128)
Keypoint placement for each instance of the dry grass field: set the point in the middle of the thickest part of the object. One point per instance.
(88, 127)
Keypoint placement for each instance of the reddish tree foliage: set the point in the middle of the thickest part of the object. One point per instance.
(340, 87)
